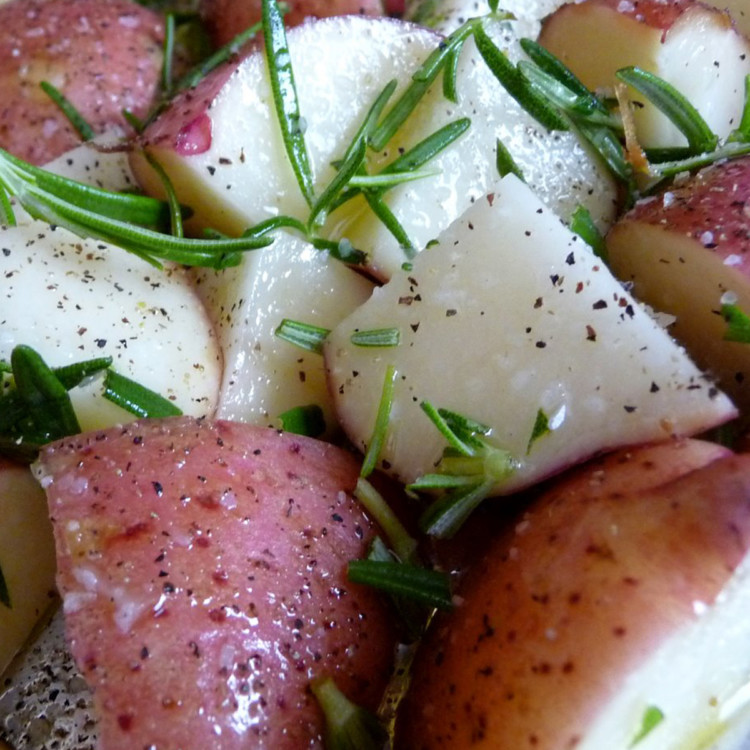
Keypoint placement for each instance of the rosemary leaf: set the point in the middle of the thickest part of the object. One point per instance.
(76, 119)
(505, 162)
(136, 398)
(382, 419)
(421, 82)
(426, 586)
(403, 544)
(175, 211)
(220, 56)
(379, 337)
(166, 71)
(347, 725)
(674, 105)
(583, 225)
(304, 420)
(50, 412)
(285, 97)
(391, 223)
(447, 514)
(738, 324)
(303, 335)
(511, 78)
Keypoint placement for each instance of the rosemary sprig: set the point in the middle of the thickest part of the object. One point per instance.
(34, 188)
(285, 97)
(466, 474)
(382, 418)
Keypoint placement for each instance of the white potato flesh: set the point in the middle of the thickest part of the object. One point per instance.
(27, 557)
(100, 163)
(265, 376)
(510, 314)
(223, 150)
(73, 299)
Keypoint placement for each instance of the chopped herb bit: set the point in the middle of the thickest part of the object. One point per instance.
(77, 120)
(347, 725)
(305, 336)
(4, 593)
(429, 587)
(377, 337)
(168, 56)
(652, 717)
(505, 162)
(540, 429)
(381, 423)
(136, 398)
(738, 324)
(583, 225)
(304, 420)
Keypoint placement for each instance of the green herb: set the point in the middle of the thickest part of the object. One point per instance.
(674, 105)
(466, 474)
(505, 162)
(168, 56)
(516, 84)
(77, 120)
(380, 337)
(738, 324)
(285, 96)
(391, 223)
(742, 132)
(56, 200)
(4, 593)
(421, 82)
(583, 225)
(540, 429)
(403, 544)
(305, 336)
(136, 398)
(423, 585)
(175, 210)
(49, 414)
(219, 57)
(347, 725)
(381, 423)
(304, 420)
(652, 717)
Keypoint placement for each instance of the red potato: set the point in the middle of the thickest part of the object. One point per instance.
(689, 44)
(105, 56)
(27, 558)
(685, 252)
(588, 612)
(226, 18)
(202, 568)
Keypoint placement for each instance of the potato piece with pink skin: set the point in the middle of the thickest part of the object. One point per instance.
(691, 45)
(203, 572)
(27, 558)
(226, 18)
(604, 601)
(686, 253)
(105, 56)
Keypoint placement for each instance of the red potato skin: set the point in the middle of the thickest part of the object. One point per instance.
(203, 572)
(226, 18)
(105, 56)
(553, 618)
(656, 13)
(712, 208)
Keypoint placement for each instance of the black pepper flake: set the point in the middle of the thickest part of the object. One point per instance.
(158, 489)
(654, 388)
(599, 305)
(571, 260)
(540, 344)
(450, 313)
(211, 170)
(590, 333)
(629, 409)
